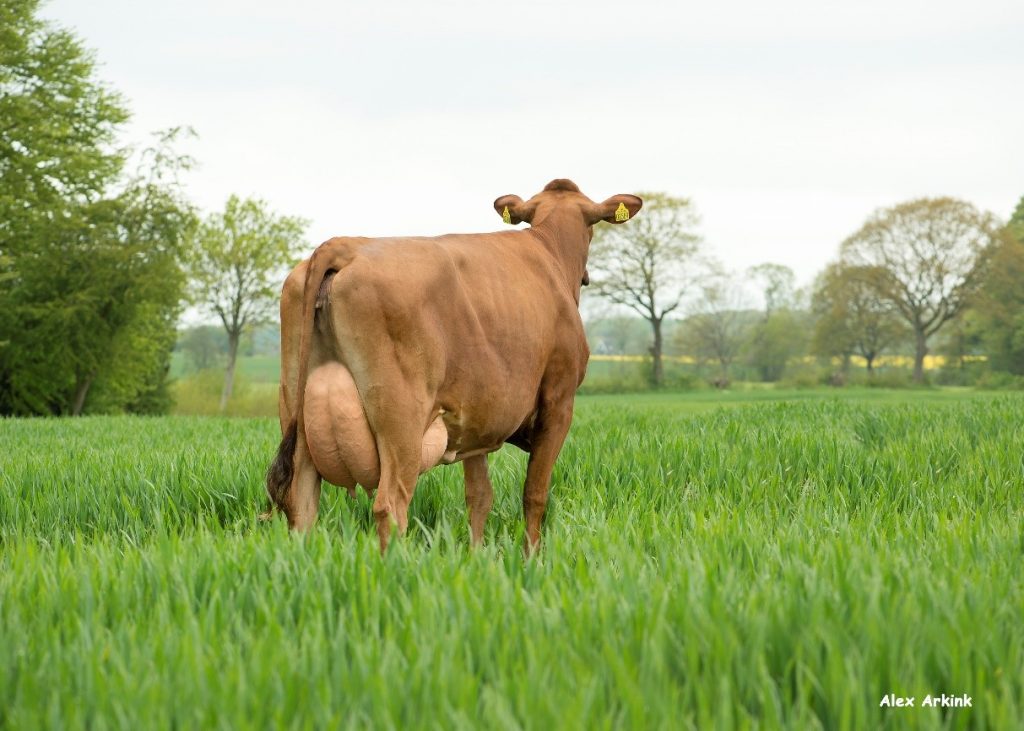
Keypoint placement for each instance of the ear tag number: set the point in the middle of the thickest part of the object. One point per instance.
(622, 213)
(507, 217)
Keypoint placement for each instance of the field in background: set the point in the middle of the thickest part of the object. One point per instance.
(256, 383)
(780, 562)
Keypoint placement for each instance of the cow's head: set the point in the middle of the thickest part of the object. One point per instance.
(569, 217)
(562, 200)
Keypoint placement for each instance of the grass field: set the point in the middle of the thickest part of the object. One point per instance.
(779, 560)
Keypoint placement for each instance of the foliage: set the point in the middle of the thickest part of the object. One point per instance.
(774, 341)
(59, 124)
(646, 265)
(203, 346)
(851, 316)
(999, 305)
(923, 257)
(778, 285)
(242, 255)
(99, 297)
(719, 324)
(90, 256)
(1000, 381)
(55, 158)
(779, 336)
(706, 565)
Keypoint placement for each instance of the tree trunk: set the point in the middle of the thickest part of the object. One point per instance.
(229, 372)
(920, 351)
(81, 391)
(871, 368)
(657, 371)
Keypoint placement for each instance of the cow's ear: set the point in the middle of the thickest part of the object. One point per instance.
(513, 210)
(617, 209)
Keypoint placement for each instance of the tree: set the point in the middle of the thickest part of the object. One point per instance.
(240, 257)
(1015, 226)
(101, 302)
(774, 342)
(646, 265)
(923, 256)
(779, 286)
(999, 304)
(778, 337)
(202, 346)
(89, 257)
(834, 335)
(59, 122)
(851, 316)
(139, 280)
(718, 325)
(55, 156)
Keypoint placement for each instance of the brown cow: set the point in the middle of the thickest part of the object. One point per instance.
(398, 354)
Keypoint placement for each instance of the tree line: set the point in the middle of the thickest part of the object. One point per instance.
(100, 250)
(912, 271)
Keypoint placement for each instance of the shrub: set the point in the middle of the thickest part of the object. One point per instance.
(804, 379)
(886, 378)
(1000, 381)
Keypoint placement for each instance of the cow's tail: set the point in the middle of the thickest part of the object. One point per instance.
(328, 258)
(279, 475)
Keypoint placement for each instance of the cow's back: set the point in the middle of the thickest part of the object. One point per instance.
(478, 320)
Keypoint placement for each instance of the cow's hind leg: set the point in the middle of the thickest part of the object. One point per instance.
(545, 443)
(399, 469)
(479, 495)
(397, 412)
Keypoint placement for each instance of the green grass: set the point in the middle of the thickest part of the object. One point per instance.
(773, 563)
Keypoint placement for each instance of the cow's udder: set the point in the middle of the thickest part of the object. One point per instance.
(338, 434)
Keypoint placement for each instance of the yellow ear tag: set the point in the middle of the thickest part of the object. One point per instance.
(622, 213)
(506, 216)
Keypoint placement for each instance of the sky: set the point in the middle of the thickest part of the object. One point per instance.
(786, 123)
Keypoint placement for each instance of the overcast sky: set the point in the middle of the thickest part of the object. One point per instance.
(787, 123)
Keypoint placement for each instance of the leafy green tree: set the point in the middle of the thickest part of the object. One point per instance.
(834, 335)
(240, 258)
(89, 257)
(101, 305)
(717, 328)
(59, 122)
(56, 156)
(999, 305)
(646, 266)
(851, 317)
(779, 336)
(774, 342)
(1016, 223)
(923, 256)
(145, 252)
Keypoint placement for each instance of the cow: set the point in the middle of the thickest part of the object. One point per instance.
(399, 354)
